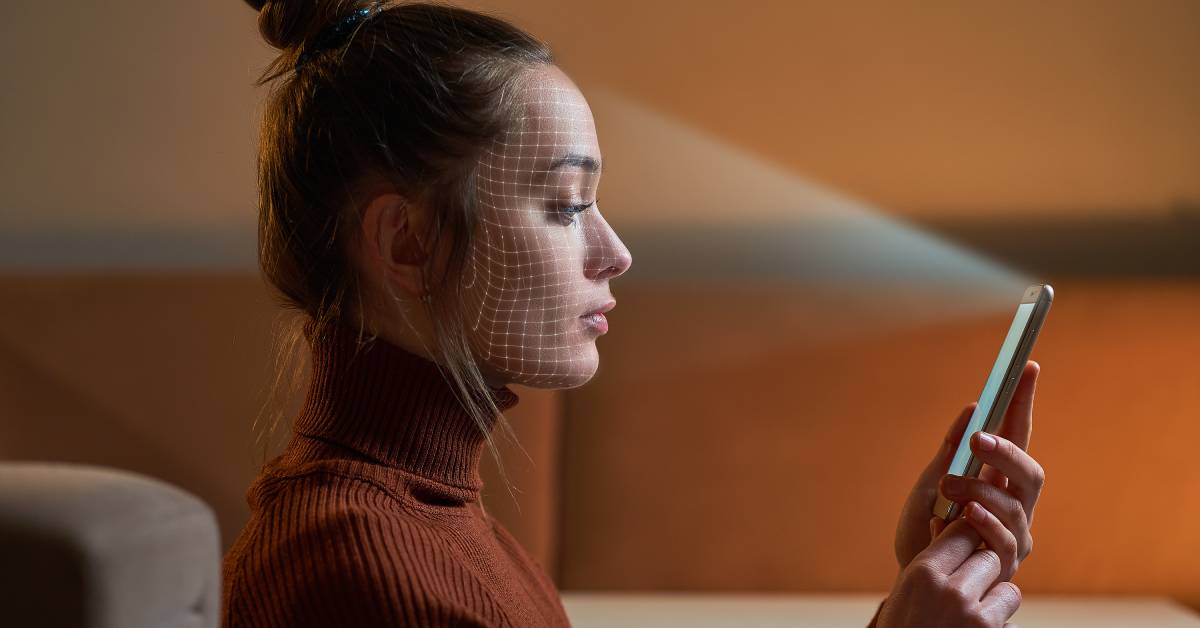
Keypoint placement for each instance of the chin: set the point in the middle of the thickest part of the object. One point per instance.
(582, 363)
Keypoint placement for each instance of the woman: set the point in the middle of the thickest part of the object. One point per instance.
(428, 188)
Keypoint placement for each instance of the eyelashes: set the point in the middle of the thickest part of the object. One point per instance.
(572, 211)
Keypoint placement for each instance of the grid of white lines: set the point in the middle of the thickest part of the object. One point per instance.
(528, 311)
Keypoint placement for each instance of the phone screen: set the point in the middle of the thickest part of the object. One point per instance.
(991, 389)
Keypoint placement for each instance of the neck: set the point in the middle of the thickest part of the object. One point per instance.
(394, 407)
(492, 378)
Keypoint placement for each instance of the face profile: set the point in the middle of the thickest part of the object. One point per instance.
(542, 255)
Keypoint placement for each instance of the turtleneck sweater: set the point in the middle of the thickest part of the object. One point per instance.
(371, 515)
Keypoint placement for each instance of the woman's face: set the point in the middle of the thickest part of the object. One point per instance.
(543, 255)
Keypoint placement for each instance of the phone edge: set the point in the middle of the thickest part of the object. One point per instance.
(949, 509)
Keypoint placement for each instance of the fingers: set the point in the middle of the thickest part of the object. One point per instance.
(1025, 476)
(951, 548)
(952, 576)
(977, 574)
(989, 474)
(1001, 506)
(1001, 603)
(1017, 425)
(1018, 420)
(998, 538)
(944, 584)
(936, 525)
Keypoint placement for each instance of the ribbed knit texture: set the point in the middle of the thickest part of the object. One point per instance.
(371, 515)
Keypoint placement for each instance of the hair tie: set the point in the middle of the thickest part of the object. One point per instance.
(335, 35)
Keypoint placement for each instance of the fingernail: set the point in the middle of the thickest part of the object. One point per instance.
(987, 442)
(952, 486)
(975, 512)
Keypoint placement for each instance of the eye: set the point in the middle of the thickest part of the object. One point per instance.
(571, 211)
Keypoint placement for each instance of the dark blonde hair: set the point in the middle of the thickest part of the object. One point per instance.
(410, 97)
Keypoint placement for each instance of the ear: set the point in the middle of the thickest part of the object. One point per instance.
(391, 245)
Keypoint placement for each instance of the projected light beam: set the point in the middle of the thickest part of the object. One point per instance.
(689, 205)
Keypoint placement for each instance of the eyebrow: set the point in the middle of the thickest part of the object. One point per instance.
(575, 160)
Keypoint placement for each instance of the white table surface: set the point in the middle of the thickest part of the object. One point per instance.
(768, 610)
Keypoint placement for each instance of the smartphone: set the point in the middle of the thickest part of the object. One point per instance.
(999, 387)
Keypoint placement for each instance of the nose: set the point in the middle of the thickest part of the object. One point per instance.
(607, 255)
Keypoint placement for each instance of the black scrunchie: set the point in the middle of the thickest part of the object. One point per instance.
(334, 35)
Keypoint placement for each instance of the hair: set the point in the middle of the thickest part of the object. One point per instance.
(412, 98)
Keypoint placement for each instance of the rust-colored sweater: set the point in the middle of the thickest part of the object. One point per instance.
(371, 516)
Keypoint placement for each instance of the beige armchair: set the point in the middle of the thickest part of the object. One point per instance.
(84, 546)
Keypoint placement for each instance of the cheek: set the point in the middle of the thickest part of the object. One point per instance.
(547, 267)
(556, 270)
(532, 289)
(525, 264)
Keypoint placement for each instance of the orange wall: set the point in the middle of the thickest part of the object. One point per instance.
(722, 445)
(946, 108)
(1026, 106)
(780, 462)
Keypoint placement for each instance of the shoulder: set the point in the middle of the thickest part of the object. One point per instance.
(326, 549)
(321, 516)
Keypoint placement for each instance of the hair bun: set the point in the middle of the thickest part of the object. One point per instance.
(287, 24)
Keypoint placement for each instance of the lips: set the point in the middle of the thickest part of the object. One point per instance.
(600, 308)
(596, 322)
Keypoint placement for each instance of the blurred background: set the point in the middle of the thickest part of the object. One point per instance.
(832, 209)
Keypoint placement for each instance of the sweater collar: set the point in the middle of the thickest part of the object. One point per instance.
(394, 407)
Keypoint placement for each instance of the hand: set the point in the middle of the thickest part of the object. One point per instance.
(951, 584)
(1008, 486)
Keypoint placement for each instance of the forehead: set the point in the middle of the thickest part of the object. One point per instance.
(554, 119)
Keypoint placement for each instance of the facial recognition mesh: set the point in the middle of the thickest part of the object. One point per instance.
(542, 255)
